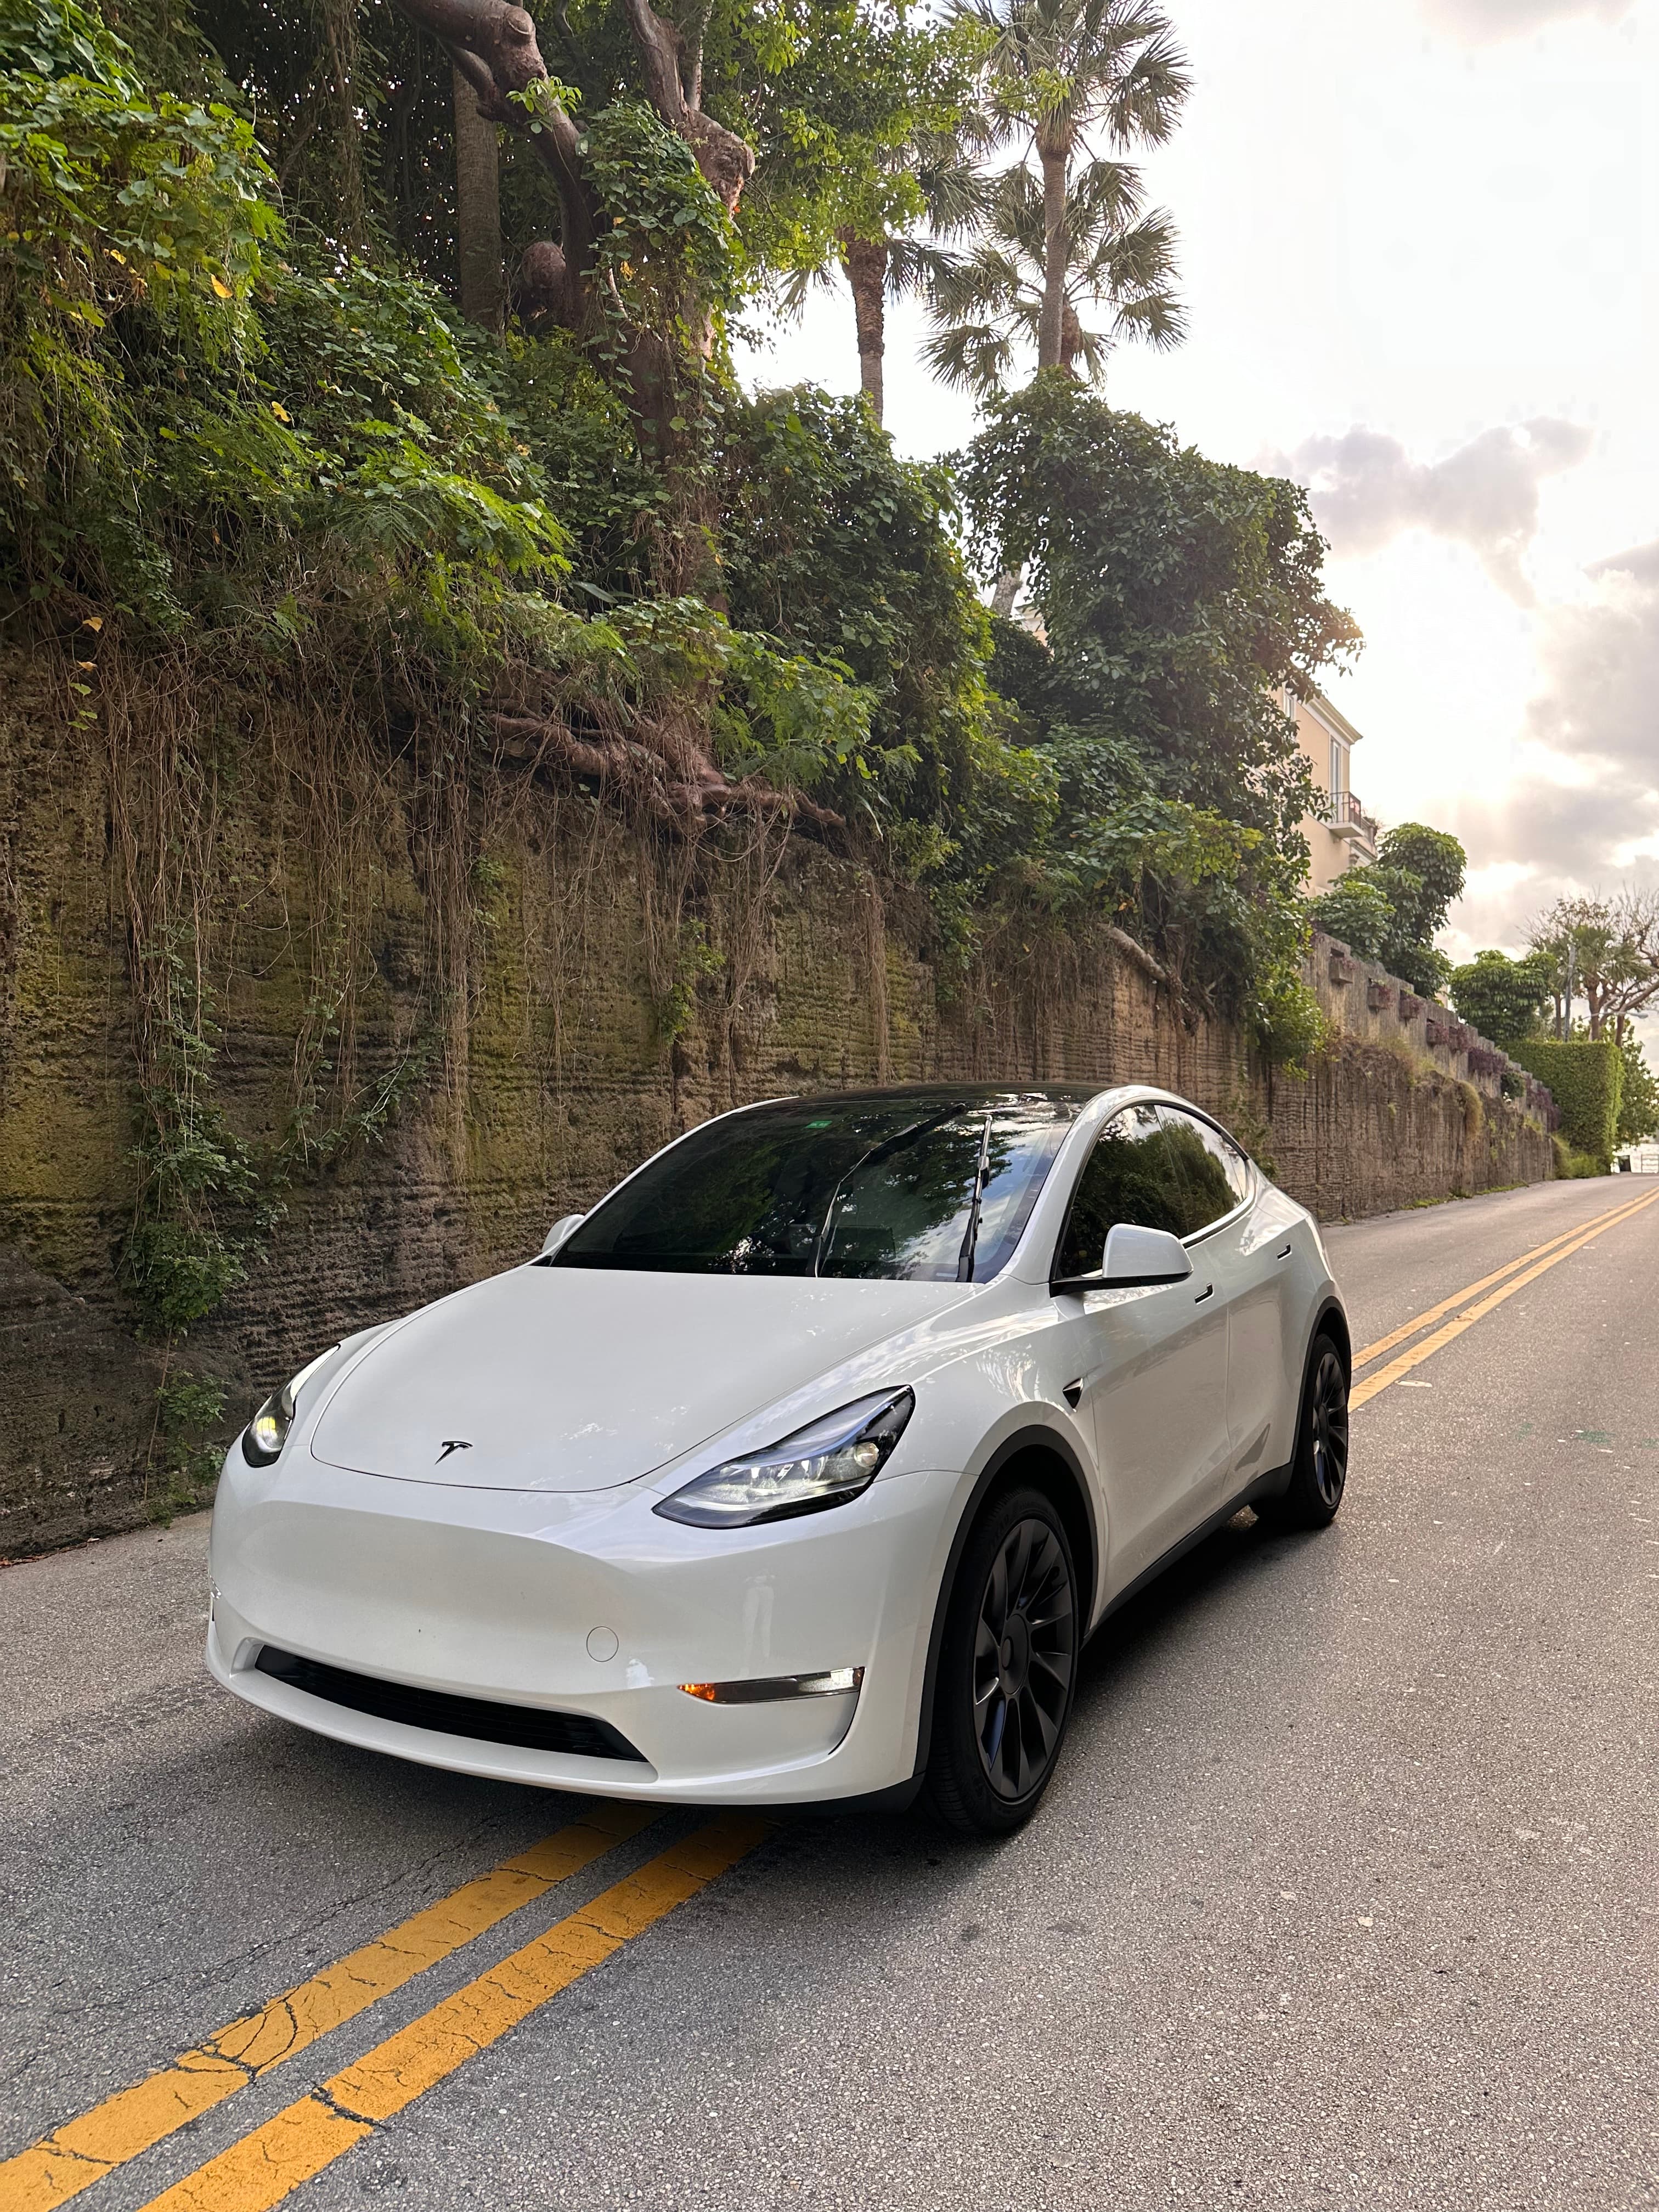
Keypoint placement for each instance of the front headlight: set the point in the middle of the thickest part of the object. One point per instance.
(826, 1463)
(267, 1432)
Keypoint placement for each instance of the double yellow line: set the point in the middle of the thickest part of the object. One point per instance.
(1513, 1276)
(264, 2165)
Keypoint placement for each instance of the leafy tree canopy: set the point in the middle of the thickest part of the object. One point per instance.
(1392, 911)
(1178, 596)
(1504, 998)
(1605, 952)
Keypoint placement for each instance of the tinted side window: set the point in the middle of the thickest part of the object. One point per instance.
(1129, 1178)
(1201, 1166)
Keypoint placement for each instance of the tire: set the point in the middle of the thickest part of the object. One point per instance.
(1319, 1474)
(1007, 1669)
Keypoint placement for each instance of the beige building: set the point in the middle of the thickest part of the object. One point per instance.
(1341, 835)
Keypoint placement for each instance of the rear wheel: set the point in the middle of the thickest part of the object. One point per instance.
(1007, 1667)
(1319, 1474)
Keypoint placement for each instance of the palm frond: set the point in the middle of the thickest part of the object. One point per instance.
(973, 357)
(1103, 195)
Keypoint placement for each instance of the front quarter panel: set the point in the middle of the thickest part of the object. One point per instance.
(1311, 1291)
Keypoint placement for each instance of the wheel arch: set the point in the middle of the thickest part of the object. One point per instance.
(1041, 1457)
(1331, 1321)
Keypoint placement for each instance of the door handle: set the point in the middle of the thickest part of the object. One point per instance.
(1208, 1291)
(1286, 1254)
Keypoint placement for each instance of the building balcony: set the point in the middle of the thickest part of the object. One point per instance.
(1349, 821)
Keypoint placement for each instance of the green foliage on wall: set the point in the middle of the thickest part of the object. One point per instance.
(1586, 1078)
(837, 546)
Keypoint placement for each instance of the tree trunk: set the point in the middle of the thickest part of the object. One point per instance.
(477, 211)
(865, 260)
(342, 42)
(1007, 591)
(1051, 329)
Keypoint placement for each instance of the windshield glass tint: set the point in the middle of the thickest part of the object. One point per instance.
(875, 1189)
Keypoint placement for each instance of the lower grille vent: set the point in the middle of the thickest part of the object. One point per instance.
(527, 1728)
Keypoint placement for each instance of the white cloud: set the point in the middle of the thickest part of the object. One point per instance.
(1367, 491)
(1582, 813)
(1487, 20)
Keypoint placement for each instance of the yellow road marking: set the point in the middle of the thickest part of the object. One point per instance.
(1373, 1384)
(266, 2165)
(75, 2155)
(1364, 1358)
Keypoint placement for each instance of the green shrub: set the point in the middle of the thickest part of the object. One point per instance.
(1571, 1165)
(1585, 1076)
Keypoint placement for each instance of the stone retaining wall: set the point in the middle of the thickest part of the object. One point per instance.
(584, 994)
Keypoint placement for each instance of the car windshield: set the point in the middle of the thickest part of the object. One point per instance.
(926, 1188)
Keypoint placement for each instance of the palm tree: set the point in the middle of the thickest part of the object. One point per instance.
(987, 301)
(935, 177)
(897, 263)
(1063, 74)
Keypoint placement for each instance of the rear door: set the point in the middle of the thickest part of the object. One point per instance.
(1154, 1380)
(1232, 1246)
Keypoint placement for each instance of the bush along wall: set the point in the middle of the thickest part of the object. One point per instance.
(1586, 1077)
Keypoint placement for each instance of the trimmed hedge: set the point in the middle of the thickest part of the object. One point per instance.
(1587, 1077)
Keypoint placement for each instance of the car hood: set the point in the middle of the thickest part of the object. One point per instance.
(570, 1379)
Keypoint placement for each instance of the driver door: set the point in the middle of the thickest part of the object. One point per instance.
(1154, 1384)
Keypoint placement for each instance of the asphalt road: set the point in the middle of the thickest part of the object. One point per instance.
(1347, 1893)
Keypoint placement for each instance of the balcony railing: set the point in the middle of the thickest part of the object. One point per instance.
(1349, 819)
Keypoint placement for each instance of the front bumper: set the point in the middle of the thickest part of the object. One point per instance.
(495, 1595)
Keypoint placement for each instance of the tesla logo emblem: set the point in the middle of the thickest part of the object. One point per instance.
(452, 1443)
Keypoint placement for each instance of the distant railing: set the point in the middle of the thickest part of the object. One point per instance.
(1349, 819)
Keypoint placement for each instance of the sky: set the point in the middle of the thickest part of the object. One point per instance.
(1420, 254)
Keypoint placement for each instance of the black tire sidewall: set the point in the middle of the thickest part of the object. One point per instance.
(1305, 1507)
(958, 1787)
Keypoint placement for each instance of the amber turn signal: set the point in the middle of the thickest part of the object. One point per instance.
(830, 1682)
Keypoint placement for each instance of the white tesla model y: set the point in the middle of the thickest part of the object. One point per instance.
(802, 1466)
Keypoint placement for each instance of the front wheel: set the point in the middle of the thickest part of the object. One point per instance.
(1007, 1667)
(1319, 1474)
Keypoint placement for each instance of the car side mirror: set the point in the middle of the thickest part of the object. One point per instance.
(1136, 1257)
(560, 1231)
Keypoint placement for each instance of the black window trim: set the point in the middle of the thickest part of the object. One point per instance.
(1143, 1095)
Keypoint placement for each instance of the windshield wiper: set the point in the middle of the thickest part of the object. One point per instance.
(970, 1236)
(878, 1151)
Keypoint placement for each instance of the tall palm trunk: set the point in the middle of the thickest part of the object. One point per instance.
(865, 260)
(1051, 341)
(477, 211)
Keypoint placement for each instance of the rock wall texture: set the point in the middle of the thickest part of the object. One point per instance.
(433, 1002)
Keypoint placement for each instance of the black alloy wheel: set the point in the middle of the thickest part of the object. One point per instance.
(1328, 1424)
(1008, 1668)
(1319, 1474)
